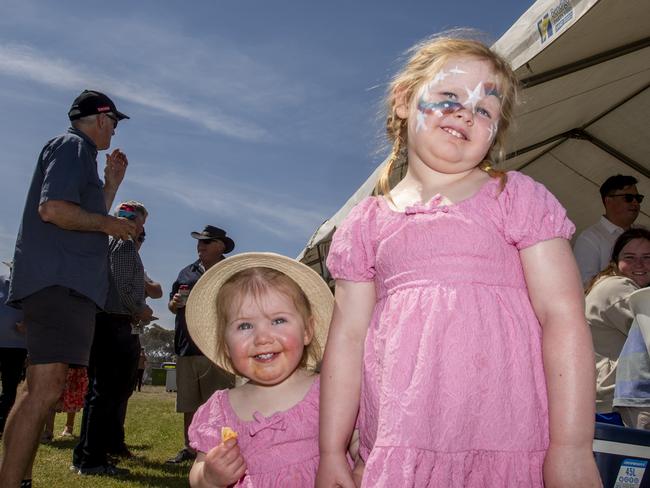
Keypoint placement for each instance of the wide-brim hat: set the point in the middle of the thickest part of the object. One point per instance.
(212, 233)
(91, 102)
(640, 305)
(201, 308)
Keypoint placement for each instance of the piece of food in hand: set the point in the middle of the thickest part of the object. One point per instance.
(227, 433)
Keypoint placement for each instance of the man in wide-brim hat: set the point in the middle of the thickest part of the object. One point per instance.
(196, 377)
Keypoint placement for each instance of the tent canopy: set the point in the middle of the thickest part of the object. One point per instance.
(584, 115)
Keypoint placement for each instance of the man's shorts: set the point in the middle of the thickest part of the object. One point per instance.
(59, 324)
(197, 378)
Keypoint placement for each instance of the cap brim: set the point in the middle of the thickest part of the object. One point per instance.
(201, 309)
(120, 115)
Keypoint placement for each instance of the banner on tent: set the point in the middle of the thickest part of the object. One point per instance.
(554, 19)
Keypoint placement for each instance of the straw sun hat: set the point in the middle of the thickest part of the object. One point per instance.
(201, 309)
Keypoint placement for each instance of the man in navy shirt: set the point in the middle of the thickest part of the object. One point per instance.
(197, 378)
(60, 274)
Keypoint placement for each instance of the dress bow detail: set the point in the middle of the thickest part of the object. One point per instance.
(430, 207)
(261, 423)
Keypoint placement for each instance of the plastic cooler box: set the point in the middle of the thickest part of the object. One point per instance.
(170, 379)
(622, 456)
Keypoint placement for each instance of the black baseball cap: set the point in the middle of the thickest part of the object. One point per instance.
(92, 102)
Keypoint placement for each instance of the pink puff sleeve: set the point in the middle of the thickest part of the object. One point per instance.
(205, 430)
(531, 213)
(352, 252)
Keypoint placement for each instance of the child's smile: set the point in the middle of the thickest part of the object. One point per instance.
(266, 338)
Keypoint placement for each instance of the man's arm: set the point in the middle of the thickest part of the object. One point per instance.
(70, 216)
(129, 283)
(152, 289)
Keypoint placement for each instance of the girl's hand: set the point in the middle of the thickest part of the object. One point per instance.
(224, 464)
(570, 466)
(357, 472)
(334, 472)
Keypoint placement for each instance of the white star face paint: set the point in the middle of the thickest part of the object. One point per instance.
(455, 115)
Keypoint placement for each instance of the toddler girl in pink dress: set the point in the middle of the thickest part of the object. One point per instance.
(459, 332)
(264, 317)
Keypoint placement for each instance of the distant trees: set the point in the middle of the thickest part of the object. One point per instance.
(158, 344)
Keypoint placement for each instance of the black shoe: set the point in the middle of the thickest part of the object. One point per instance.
(103, 470)
(182, 456)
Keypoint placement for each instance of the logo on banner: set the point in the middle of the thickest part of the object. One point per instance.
(554, 20)
(630, 474)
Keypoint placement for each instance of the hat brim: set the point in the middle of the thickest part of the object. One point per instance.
(120, 115)
(230, 244)
(201, 308)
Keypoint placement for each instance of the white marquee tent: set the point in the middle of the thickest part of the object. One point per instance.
(585, 114)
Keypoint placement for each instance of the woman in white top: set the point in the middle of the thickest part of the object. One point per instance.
(608, 310)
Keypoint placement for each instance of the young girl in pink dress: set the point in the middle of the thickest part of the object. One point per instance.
(264, 317)
(458, 332)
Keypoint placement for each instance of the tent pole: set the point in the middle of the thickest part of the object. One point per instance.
(617, 154)
(320, 261)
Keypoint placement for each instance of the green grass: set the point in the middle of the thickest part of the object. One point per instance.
(154, 433)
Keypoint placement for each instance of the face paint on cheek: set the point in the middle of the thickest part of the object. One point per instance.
(426, 108)
(421, 121)
(493, 129)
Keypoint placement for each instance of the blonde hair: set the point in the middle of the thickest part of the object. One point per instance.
(256, 282)
(425, 59)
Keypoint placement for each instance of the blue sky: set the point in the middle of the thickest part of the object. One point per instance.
(260, 117)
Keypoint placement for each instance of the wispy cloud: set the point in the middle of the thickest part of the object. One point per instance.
(26, 62)
(7, 243)
(270, 211)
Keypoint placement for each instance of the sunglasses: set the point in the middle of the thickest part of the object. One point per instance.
(629, 197)
(114, 119)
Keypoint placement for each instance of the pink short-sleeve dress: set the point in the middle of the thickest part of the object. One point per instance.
(281, 451)
(453, 387)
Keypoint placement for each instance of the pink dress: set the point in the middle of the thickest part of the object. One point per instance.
(280, 451)
(453, 389)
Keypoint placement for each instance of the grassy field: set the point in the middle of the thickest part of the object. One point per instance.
(154, 432)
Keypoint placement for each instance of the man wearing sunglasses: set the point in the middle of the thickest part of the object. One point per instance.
(593, 247)
(60, 272)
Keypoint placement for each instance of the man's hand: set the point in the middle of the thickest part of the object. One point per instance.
(116, 163)
(176, 302)
(145, 314)
(119, 227)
